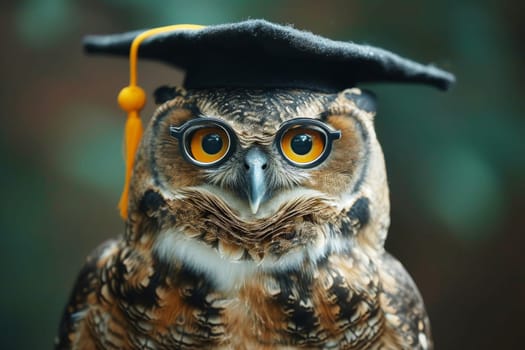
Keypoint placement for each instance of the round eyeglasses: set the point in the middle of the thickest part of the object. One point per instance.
(208, 142)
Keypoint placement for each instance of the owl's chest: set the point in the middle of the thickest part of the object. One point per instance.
(332, 306)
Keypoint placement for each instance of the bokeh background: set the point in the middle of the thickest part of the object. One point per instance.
(455, 160)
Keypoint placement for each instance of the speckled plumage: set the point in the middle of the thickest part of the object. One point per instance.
(196, 269)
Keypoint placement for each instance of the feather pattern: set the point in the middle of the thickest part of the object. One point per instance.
(196, 269)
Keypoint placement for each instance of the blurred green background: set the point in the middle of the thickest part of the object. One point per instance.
(455, 160)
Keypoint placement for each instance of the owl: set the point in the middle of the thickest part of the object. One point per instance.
(258, 206)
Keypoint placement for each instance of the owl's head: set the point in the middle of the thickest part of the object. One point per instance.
(260, 174)
(265, 156)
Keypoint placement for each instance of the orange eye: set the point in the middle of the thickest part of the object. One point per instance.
(305, 142)
(205, 142)
(303, 145)
(208, 144)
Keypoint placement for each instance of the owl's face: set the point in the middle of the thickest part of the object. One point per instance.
(253, 172)
(263, 172)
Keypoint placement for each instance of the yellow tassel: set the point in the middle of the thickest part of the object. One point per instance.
(132, 99)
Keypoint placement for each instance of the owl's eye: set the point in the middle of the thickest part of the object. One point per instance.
(305, 142)
(208, 145)
(302, 145)
(205, 142)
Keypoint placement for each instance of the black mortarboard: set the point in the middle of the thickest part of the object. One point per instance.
(259, 54)
(252, 54)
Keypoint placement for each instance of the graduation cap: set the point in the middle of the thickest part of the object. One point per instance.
(253, 54)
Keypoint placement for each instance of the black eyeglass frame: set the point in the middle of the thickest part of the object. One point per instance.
(329, 134)
(181, 133)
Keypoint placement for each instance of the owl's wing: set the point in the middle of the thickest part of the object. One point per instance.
(87, 284)
(404, 304)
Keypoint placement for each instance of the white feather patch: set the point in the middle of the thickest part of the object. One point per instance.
(172, 246)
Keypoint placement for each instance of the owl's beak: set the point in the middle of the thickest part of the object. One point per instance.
(255, 164)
